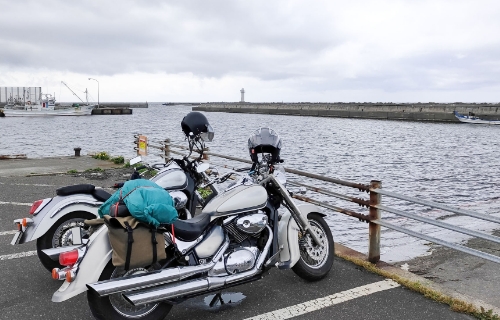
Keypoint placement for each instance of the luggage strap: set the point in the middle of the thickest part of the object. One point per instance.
(120, 200)
(130, 232)
(154, 242)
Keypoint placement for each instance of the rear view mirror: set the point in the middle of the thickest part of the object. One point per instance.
(202, 167)
(135, 160)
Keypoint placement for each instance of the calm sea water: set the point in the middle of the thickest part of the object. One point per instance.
(455, 164)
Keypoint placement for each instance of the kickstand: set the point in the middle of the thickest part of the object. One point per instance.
(217, 297)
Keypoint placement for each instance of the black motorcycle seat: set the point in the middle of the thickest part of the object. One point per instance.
(101, 195)
(189, 230)
(97, 193)
(77, 188)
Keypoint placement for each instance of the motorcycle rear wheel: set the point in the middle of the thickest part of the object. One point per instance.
(315, 260)
(54, 236)
(115, 307)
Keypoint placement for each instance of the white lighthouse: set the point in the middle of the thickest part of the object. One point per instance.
(242, 95)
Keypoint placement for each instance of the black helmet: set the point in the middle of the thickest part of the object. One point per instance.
(264, 140)
(197, 124)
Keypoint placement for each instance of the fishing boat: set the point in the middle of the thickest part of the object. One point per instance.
(471, 118)
(46, 106)
(38, 110)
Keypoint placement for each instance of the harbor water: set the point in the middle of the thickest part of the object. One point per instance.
(452, 163)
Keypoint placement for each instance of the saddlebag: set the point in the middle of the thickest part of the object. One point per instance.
(134, 244)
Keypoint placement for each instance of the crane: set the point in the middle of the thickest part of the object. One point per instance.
(72, 91)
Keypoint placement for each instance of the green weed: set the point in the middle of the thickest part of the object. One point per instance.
(101, 156)
(118, 160)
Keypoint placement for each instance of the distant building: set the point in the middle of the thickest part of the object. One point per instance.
(20, 95)
(242, 95)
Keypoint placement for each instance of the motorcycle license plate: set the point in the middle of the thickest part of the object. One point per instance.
(17, 237)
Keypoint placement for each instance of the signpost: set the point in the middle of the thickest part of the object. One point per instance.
(142, 146)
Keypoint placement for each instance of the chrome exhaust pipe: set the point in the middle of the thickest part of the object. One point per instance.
(107, 287)
(173, 290)
(178, 289)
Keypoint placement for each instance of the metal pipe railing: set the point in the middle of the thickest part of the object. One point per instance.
(441, 224)
(458, 247)
(359, 201)
(373, 204)
(360, 216)
(437, 205)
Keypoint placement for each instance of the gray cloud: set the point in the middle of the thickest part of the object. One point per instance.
(307, 46)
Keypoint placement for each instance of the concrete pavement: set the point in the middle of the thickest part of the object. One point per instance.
(348, 292)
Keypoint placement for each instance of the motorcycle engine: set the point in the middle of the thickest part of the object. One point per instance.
(239, 260)
(247, 225)
(244, 231)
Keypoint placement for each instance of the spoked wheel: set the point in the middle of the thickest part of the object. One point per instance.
(60, 235)
(316, 260)
(115, 307)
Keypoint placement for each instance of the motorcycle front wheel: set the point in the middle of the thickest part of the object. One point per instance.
(316, 260)
(115, 307)
(59, 235)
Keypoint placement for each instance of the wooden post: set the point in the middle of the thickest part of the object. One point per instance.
(167, 149)
(205, 155)
(374, 229)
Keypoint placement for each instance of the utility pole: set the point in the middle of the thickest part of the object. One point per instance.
(97, 90)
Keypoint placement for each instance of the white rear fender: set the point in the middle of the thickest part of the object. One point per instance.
(57, 208)
(288, 236)
(97, 256)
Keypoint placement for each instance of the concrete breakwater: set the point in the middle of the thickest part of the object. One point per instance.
(116, 105)
(112, 108)
(439, 112)
(110, 111)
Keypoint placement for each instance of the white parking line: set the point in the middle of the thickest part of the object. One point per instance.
(29, 184)
(16, 203)
(18, 255)
(33, 184)
(3, 233)
(320, 303)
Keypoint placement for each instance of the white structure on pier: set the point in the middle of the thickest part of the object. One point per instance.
(242, 95)
(11, 96)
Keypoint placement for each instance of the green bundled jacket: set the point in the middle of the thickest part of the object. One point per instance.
(148, 203)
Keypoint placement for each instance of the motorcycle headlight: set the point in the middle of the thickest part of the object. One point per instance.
(180, 199)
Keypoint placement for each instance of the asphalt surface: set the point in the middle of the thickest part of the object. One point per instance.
(27, 287)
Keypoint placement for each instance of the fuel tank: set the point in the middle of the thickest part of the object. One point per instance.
(238, 199)
(171, 177)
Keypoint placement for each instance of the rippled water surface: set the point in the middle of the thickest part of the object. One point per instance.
(456, 164)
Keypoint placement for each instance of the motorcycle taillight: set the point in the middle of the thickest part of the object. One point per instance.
(35, 206)
(68, 258)
(38, 205)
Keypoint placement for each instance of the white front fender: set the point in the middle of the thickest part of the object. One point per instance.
(288, 236)
(97, 256)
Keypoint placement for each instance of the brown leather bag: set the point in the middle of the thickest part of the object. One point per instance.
(134, 244)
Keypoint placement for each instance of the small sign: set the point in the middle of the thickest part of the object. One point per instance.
(142, 146)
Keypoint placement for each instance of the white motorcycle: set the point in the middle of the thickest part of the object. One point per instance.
(237, 237)
(58, 222)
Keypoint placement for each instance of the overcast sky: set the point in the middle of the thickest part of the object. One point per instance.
(291, 51)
